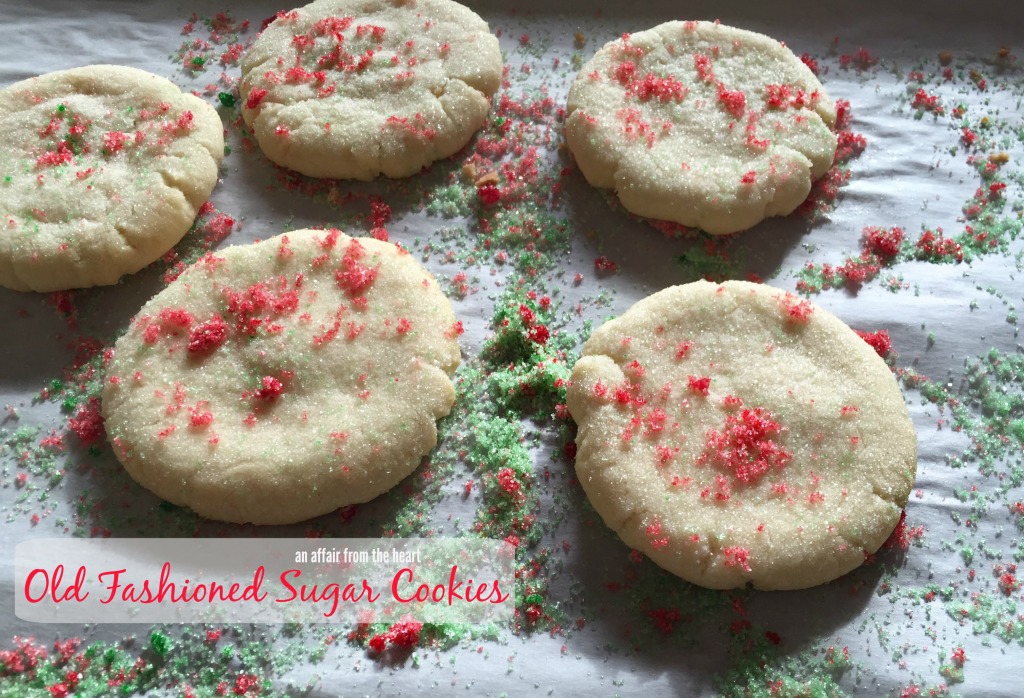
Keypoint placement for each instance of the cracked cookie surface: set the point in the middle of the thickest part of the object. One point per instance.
(737, 434)
(103, 170)
(274, 382)
(352, 89)
(702, 124)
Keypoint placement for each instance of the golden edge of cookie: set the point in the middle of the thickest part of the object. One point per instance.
(604, 477)
(397, 146)
(601, 165)
(171, 222)
(297, 490)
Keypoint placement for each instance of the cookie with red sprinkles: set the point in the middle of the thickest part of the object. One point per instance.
(102, 170)
(354, 89)
(274, 382)
(702, 124)
(737, 434)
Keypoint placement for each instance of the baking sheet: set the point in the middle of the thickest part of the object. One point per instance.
(914, 173)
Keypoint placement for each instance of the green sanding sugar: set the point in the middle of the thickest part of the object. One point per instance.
(529, 363)
(711, 261)
(805, 677)
(449, 202)
(160, 643)
(990, 408)
(201, 663)
(987, 614)
(40, 468)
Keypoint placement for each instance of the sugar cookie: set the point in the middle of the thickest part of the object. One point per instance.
(356, 88)
(702, 124)
(102, 170)
(277, 381)
(737, 434)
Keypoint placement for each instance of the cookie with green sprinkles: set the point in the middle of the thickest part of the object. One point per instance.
(102, 170)
(354, 89)
(701, 124)
(278, 381)
(739, 435)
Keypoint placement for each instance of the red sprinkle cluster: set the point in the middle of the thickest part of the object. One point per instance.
(508, 481)
(536, 332)
(664, 89)
(903, 535)
(746, 447)
(879, 341)
(789, 97)
(258, 306)
(923, 102)
(879, 248)
(405, 634)
(699, 384)
(205, 338)
(603, 265)
(810, 63)
(489, 194)
(665, 619)
(169, 322)
(270, 388)
(934, 246)
(702, 64)
(63, 148)
(648, 86)
(733, 101)
(87, 422)
(861, 60)
(882, 242)
(256, 97)
(737, 556)
(354, 277)
(797, 312)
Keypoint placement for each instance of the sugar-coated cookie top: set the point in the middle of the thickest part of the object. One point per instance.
(738, 434)
(358, 88)
(102, 170)
(703, 124)
(274, 382)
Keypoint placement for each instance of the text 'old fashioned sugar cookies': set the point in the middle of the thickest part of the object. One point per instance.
(737, 434)
(274, 382)
(102, 170)
(702, 124)
(357, 88)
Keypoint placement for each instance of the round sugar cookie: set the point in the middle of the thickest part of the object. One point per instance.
(278, 381)
(738, 435)
(352, 89)
(102, 170)
(702, 124)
